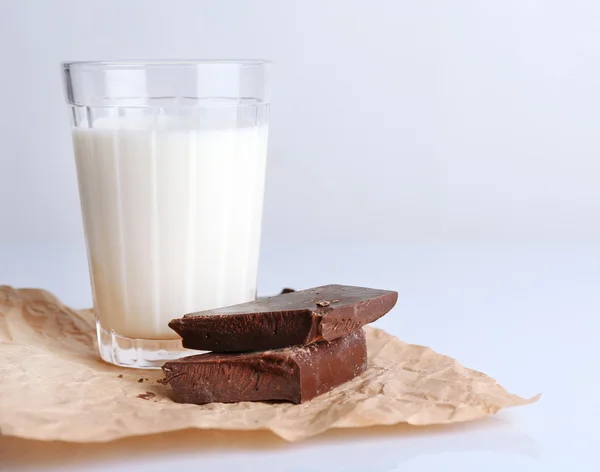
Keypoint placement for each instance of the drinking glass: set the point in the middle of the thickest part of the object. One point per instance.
(170, 160)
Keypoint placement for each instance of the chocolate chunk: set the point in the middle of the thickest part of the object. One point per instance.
(147, 396)
(284, 320)
(294, 374)
(283, 292)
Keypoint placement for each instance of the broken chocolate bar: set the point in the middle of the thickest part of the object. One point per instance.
(294, 374)
(298, 318)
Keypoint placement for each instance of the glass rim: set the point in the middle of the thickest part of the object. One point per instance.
(161, 63)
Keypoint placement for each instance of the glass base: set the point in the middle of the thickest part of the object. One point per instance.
(138, 353)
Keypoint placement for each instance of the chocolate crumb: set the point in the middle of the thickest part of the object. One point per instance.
(120, 376)
(141, 380)
(287, 290)
(323, 303)
(146, 380)
(147, 396)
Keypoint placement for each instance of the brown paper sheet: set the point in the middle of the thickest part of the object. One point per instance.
(54, 387)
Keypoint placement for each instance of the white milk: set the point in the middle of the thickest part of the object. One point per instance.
(172, 220)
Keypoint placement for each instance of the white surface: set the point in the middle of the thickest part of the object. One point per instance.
(525, 314)
(173, 219)
(464, 119)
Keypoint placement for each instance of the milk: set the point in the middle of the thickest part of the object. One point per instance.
(172, 219)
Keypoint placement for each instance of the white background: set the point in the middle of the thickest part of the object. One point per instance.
(391, 120)
(446, 149)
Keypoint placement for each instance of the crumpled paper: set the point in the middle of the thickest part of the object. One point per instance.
(54, 387)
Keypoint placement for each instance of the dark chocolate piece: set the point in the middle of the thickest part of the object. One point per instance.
(298, 318)
(147, 396)
(295, 374)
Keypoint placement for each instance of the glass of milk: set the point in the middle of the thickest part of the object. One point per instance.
(170, 162)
